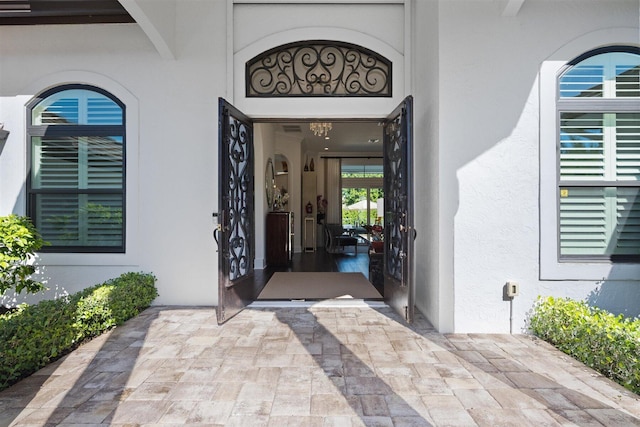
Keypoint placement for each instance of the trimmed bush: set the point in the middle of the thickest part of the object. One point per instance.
(607, 343)
(35, 335)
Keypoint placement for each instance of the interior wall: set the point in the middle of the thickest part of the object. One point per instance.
(264, 143)
(290, 147)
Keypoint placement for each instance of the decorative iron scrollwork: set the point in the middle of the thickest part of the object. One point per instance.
(238, 204)
(395, 196)
(318, 69)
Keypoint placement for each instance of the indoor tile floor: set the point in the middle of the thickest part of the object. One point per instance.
(312, 366)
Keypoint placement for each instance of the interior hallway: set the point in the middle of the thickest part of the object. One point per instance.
(321, 261)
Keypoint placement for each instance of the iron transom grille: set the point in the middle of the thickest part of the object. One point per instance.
(318, 68)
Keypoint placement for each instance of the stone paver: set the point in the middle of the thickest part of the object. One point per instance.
(314, 366)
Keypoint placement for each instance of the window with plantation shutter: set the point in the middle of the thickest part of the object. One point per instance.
(599, 156)
(76, 185)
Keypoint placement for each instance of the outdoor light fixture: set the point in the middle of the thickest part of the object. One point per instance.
(320, 129)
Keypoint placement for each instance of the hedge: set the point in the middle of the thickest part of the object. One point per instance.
(607, 343)
(35, 335)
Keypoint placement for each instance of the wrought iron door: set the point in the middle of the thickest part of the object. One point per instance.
(399, 233)
(236, 223)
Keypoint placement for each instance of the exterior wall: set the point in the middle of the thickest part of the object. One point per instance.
(172, 153)
(379, 27)
(490, 151)
(433, 255)
(475, 77)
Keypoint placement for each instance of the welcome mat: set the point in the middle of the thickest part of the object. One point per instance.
(316, 285)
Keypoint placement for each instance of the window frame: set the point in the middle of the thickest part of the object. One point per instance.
(550, 267)
(57, 130)
(598, 105)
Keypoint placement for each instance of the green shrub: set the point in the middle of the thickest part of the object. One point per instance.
(607, 343)
(33, 336)
(18, 241)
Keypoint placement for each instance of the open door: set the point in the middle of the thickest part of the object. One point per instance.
(399, 233)
(235, 234)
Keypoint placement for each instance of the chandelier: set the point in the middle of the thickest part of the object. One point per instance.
(320, 129)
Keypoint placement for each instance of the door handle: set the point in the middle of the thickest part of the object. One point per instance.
(217, 229)
(404, 229)
(215, 237)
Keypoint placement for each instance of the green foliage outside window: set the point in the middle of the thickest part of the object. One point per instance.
(355, 195)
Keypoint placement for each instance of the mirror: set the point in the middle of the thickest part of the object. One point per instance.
(269, 183)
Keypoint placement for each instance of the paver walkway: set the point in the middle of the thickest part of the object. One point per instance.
(312, 367)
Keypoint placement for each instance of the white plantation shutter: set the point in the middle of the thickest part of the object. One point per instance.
(583, 221)
(55, 162)
(582, 151)
(104, 220)
(103, 111)
(57, 218)
(104, 162)
(598, 151)
(599, 157)
(627, 232)
(77, 172)
(627, 81)
(583, 81)
(627, 146)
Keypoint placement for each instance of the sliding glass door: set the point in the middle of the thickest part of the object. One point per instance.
(362, 206)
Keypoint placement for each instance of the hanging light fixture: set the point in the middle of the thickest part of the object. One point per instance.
(320, 129)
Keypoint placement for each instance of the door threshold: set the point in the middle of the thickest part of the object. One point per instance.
(328, 303)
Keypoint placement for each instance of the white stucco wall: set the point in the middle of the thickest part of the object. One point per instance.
(490, 156)
(474, 74)
(379, 27)
(175, 140)
(433, 255)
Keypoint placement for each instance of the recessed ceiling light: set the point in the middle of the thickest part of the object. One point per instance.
(326, 148)
(326, 137)
(374, 140)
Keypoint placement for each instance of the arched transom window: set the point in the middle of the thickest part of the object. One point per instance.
(318, 68)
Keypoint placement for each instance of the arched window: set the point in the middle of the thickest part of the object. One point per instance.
(598, 112)
(76, 180)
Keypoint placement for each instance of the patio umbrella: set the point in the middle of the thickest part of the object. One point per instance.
(362, 205)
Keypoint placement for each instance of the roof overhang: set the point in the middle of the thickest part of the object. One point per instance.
(41, 12)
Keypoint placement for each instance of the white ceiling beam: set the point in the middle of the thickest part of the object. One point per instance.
(512, 8)
(157, 18)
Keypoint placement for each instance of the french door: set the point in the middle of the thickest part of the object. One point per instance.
(235, 234)
(237, 284)
(399, 233)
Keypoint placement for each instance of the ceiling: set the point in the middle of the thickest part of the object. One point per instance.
(344, 137)
(37, 12)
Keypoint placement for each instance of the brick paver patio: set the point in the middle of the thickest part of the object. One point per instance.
(316, 366)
